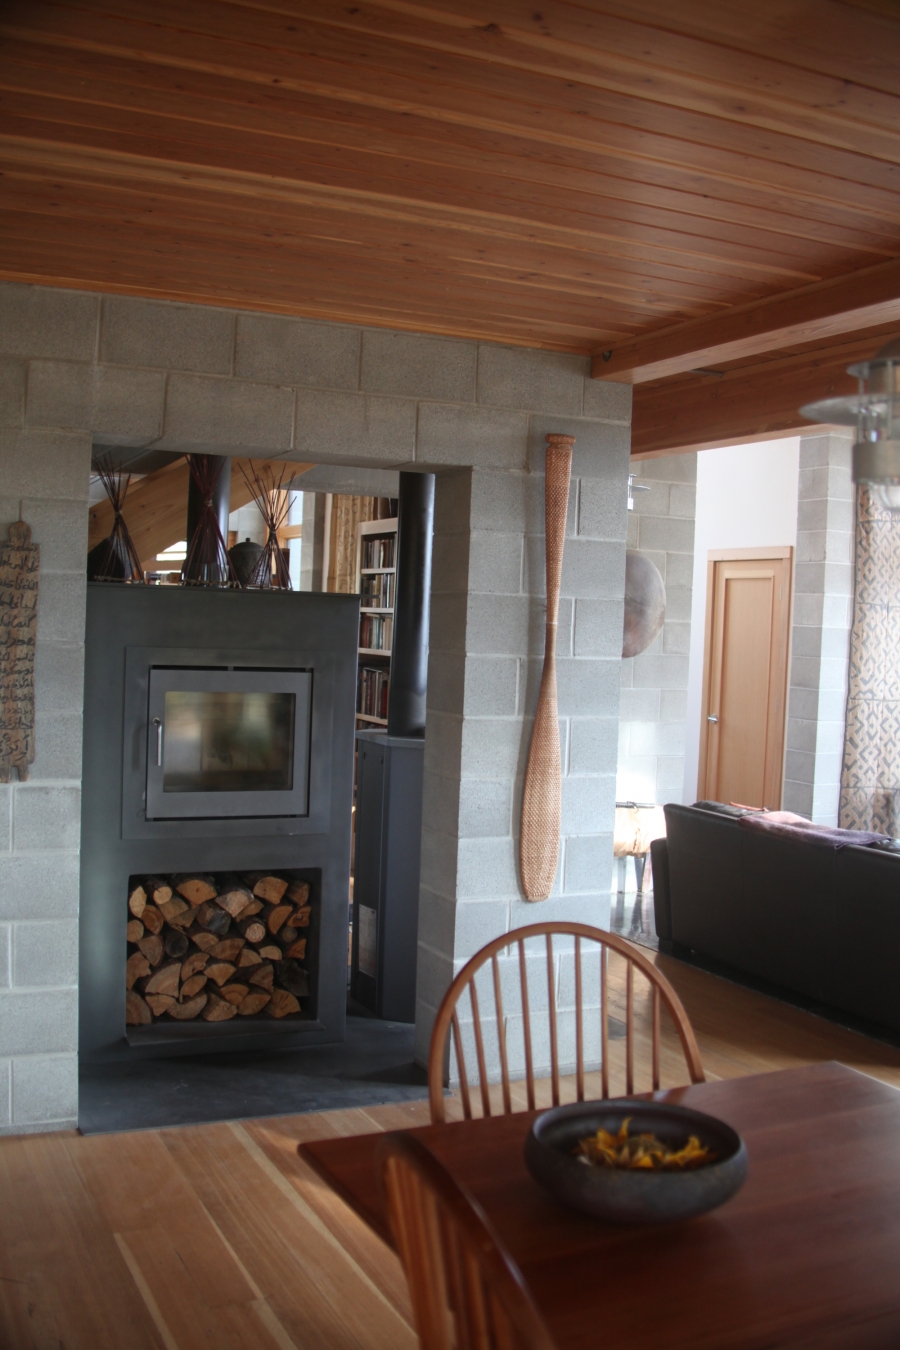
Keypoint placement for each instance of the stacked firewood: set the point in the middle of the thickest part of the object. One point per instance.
(216, 947)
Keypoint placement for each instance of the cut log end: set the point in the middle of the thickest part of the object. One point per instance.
(137, 1014)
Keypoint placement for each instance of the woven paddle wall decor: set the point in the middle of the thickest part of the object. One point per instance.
(542, 794)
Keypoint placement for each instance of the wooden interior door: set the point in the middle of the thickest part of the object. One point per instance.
(745, 677)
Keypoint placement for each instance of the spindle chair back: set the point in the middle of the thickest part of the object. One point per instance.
(466, 1292)
(447, 1022)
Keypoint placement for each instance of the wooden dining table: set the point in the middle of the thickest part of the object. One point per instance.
(806, 1255)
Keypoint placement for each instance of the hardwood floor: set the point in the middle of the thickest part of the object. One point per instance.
(218, 1237)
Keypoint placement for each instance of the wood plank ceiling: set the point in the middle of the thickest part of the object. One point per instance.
(564, 175)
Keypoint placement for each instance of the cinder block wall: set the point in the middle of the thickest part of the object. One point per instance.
(654, 684)
(822, 618)
(120, 371)
(47, 348)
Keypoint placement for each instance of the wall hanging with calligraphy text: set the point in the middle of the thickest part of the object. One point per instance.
(20, 565)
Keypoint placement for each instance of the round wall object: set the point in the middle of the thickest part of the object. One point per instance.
(645, 603)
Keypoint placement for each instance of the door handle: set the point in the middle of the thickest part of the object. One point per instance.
(158, 724)
(712, 718)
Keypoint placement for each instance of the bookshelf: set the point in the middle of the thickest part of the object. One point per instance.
(376, 582)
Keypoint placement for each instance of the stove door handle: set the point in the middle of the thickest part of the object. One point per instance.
(159, 746)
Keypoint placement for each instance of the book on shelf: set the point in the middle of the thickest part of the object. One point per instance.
(378, 552)
(374, 686)
(377, 591)
(375, 632)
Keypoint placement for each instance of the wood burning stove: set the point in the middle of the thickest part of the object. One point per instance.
(218, 748)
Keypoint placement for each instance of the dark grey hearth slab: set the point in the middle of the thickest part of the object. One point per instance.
(373, 1066)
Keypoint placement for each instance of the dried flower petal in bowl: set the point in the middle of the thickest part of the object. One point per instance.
(633, 1151)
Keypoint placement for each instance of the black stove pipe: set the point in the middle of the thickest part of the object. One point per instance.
(409, 655)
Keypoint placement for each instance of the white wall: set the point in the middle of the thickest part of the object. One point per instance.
(746, 498)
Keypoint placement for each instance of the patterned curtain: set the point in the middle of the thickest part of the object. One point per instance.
(870, 781)
(346, 514)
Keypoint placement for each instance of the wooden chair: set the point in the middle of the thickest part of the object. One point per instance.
(467, 1293)
(447, 1020)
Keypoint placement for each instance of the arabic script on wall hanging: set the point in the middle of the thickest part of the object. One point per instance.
(20, 565)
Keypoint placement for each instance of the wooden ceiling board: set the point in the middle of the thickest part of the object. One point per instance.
(565, 175)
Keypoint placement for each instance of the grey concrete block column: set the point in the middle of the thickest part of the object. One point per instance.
(822, 617)
(486, 647)
(654, 683)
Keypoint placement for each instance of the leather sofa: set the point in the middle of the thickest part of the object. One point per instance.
(818, 921)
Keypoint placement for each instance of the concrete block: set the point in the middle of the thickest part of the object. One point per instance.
(6, 1096)
(60, 394)
(639, 705)
(447, 627)
(12, 392)
(437, 921)
(128, 405)
(446, 682)
(58, 748)
(493, 747)
(482, 437)
(477, 923)
(824, 449)
(425, 1016)
(48, 464)
(801, 735)
(812, 514)
(678, 570)
(565, 632)
(350, 481)
(38, 321)
(61, 529)
(657, 738)
(506, 501)
(563, 907)
(593, 568)
(434, 974)
(5, 948)
(652, 499)
(683, 500)
(302, 352)
(672, 705)
(450, 564)
(676, 637)
(588, 804)
(443, 743)
(45, 816)
(228, 414)
(43, 1022)
(598, 627)
(45, 955)
(500, 625)
(601, 449)
(519, 377)
(668, 468)
(669, 778)
(798, 797)
(41, 886)
(166, 335)
(607, 401)
(440, 801)
(58, 679)
(354, 426)
(800, 766)
(495, 563)
(627, 676)
(666, 671)
(491, 686)
(453, 501)
(679, 603)
(666, 534)
(588, 688)
(587, 862)
(631, 535)
(6, 798)
(485, 808)
(439, 862)
(61, 607)
(602, 509)
(45, 1090)
(413, 366)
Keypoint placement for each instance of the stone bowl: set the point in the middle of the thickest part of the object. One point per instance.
(621, 1196)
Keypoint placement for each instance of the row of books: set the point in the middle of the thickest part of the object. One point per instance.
(373, 692)
(376, 632)
(378, 552)
(379, 590)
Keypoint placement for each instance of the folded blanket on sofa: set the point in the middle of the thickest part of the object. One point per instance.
(786, 825)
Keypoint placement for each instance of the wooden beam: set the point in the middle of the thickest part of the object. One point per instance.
(826, 309)
(751, 401)
(156, 506)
